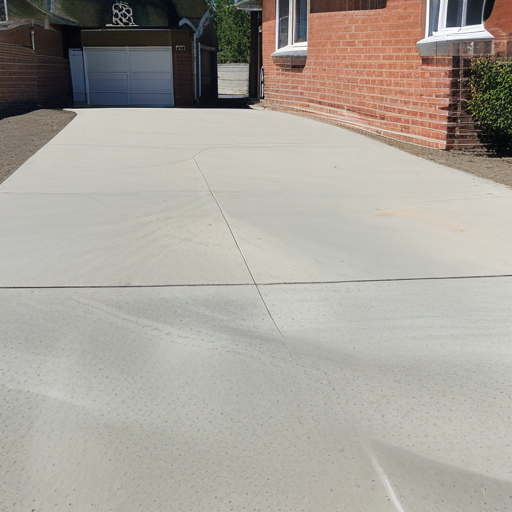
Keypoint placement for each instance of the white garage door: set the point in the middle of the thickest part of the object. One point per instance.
(129, 76)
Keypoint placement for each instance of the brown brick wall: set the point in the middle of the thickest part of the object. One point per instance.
(53, 82)
(363, 69)
(48, 42)
(32, 77)
(18, 35)
(18, 84)
(183, 68)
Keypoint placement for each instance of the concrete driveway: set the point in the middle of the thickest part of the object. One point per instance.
(215, 310)
(233, 79)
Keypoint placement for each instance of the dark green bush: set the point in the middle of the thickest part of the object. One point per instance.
(233, 28)
(490, 100)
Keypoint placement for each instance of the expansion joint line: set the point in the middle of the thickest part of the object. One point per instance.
(243, 257)
(284, 283)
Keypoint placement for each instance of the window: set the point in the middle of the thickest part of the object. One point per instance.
(456, 21)
(292, 23)
(456, 17)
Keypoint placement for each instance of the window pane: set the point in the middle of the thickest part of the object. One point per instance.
(475, 12)
(454, 13)
(282, 26)
(433, 17)
(301, 21)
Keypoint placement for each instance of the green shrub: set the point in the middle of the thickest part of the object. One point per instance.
(490, 100)
(233, 28)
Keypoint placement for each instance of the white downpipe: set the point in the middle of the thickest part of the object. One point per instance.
(32, 37)
(197, 34)
(200, 68)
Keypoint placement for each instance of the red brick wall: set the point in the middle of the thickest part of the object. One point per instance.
(500, 26)
(32, 77)
(363, 69)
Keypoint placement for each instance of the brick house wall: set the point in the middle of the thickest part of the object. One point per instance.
(183, 67)
(30, 77)
(363, 69)
(500, 26)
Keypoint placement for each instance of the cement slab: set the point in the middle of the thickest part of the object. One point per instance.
(186, 397)
(103, 169)
(424, 368)
(124, 128)
(169, 399)
(313, 214)
(156, 238)
(178, 384)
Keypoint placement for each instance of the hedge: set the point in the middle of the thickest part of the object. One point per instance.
(233, 27)
(490, 100)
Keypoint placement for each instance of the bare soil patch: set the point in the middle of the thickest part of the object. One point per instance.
(491, 167)
(23, 135)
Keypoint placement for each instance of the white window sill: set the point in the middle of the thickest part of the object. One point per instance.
(474, 33)
(292, 51)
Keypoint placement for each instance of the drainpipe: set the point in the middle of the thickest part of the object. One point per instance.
(197, 34)
(32, 36)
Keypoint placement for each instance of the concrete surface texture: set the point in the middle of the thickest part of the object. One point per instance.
(247, 310)
(233, 79)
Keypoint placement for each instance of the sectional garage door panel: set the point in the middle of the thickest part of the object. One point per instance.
(130, 76)
(108, 98)
(150, 100)
(144, 85)
(103, 60)
(104, 84)
(143, 61)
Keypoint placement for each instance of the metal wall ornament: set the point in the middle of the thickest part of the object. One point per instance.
(122, 15)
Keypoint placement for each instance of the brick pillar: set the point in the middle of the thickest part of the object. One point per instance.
(462, 132)
(183, 67)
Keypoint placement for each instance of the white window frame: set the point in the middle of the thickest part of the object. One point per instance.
(291, 46)
(443, 33)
